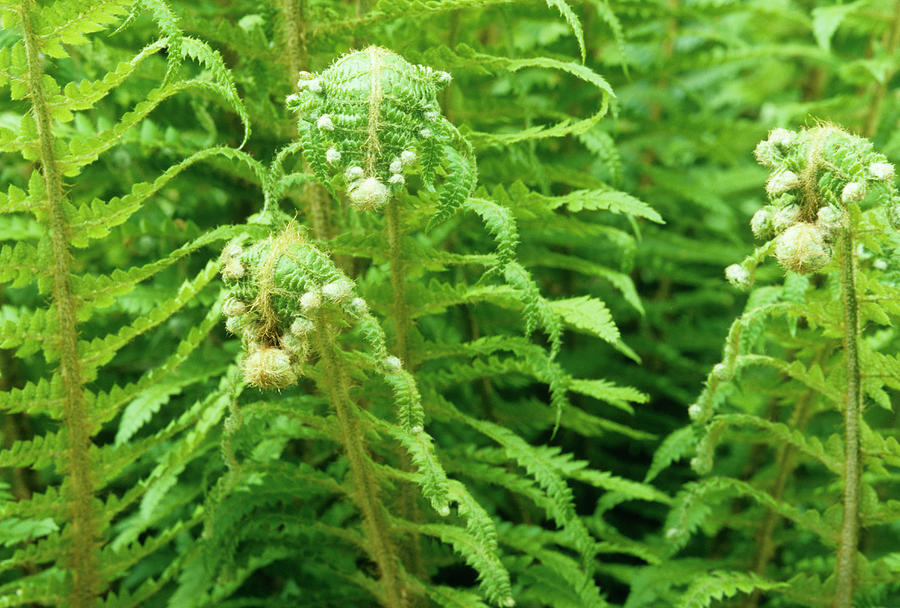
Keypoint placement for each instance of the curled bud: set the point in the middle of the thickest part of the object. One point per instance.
(853, 191)
(268, 367)
(325, 123)
(761, 223)
(233, 307)
(295, 345)
(695, 411)
(359, 306)
(310, 82)
(396, 166)
(353, 173)
(828, 219)
(368, 194)
(879, 264)
(893, 215)
(738, 276)
(393, 363)
(782, 181)
(785, 217)
(337, 290)
(426, 133)
(232, 250)
(782, 138)
(332, 155)
(802, 248)
(310, 301)
(233, 325)
(397, 179)
(883, 172)
(233, 270)
(721, 372)
(407, 157)
(765, 154)
(301, 327)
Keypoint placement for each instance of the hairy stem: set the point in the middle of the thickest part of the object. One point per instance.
(849, 538)
(365, 487)
(400, 312)
(83, 549)
(293, 33)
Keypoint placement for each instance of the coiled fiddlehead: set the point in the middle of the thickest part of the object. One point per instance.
(817, 174)
(820, 178)
(373, 118)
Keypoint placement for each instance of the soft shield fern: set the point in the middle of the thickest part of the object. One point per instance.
(82, 526)
(815, 341)
(370, 130)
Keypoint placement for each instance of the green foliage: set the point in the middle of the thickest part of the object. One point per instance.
(412, 303)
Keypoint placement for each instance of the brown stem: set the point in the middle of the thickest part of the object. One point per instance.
(365, 486)
(400, 310)
(83, 549)
(293, 33)
(407, 505)
(849, 537)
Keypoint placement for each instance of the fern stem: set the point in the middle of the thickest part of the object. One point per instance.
(83, 550)
(293, 32)
(400, 312)
(365, 487)
(400, 309)
(849, 537)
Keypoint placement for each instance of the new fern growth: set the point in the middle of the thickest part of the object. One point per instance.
(418, 401)
(372, 117)
(85, 529)
(832, 198)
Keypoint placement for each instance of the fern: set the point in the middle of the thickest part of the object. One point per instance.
(412, 303)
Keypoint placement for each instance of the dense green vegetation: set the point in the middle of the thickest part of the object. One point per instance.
(456, 303)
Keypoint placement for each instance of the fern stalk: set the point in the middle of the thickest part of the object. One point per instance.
(849, 538)
(365, 487)
(293, 32)
(400, 309)
(83, 549)
(400, 312)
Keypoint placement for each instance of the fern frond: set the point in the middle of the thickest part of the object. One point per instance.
(67, 22)
(99, 351)
(95, 220)
(464, 56)
(722, 584)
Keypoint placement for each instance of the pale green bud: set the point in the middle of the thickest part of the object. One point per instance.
(368, 194)
(268, 367)
(782, 181)
(738, 276)
(802, 248)
(761, 223)
(883, 172)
